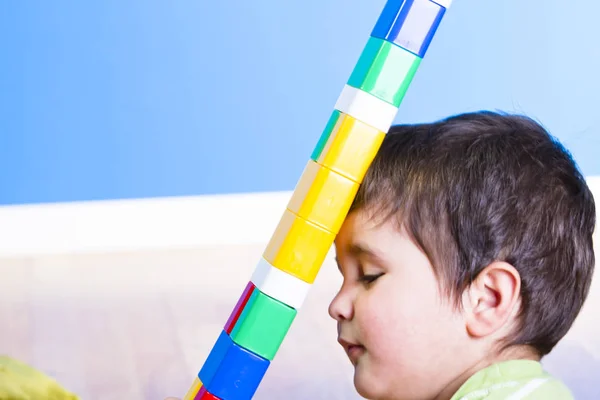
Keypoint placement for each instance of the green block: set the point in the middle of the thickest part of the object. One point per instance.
(325, 135)
(263, 324)
(384, 70)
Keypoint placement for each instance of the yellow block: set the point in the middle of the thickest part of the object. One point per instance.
(351, 147)
(298, 247)
(323, 196)
(196, 386)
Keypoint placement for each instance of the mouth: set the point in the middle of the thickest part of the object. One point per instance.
(353, 350)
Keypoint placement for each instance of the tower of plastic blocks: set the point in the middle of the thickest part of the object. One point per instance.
(363, 113)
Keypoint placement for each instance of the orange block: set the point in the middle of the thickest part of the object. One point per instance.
(323, 196)
(298, 247)
(348, 146)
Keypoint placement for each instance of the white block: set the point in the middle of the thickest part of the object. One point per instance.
(366, 108)
(444, 3)
(280, 285)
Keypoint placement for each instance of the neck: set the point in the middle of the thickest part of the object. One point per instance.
(512, 353)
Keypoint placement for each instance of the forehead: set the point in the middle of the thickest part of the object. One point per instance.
(363, 234)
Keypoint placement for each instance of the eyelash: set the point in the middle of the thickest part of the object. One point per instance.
(369, 278)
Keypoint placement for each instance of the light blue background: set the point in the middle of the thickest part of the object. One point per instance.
(126, 99)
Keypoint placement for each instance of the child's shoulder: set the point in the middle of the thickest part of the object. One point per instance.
(513, 380)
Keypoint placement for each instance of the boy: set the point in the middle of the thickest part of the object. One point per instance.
(466, 257)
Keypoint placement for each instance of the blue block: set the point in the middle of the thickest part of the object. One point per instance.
(231, 372)
(410, 24)
(213, 361)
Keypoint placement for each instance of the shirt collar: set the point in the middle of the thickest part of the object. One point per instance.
(497, 376)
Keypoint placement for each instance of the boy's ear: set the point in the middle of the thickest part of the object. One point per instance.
(492, 298)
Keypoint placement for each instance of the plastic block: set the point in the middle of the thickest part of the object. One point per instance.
(204, 394)
(298, 247)
(366, 108)
(213, 362)
(239, 307)
(232, 372)
(444, 3)
(323, 196)
(194, 389)
(279, 285)
(410, 24)
(385, 70)
(263, 324)
(332, 122)
(347, 146)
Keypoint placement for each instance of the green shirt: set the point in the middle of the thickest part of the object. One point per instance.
(513, 380)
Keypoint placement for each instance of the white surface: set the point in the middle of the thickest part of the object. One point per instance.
(279, 285)
(366, 108)
(162, 223)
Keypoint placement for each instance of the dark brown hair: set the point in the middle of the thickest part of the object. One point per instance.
(486, 186)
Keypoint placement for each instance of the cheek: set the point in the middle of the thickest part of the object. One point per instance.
(370, 317)
(393, 317)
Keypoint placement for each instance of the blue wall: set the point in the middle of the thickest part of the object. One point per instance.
(113, 99)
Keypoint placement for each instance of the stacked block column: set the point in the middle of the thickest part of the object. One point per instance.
(362, 115)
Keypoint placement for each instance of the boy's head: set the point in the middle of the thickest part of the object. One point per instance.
(470, 241)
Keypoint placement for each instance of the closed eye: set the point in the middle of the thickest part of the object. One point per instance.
(369, 278)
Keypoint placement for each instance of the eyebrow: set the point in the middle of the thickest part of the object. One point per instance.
(358, 249)
(361, 250)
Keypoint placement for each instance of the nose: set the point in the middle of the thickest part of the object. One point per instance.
(341, 307)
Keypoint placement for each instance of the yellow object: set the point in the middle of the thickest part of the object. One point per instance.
(191, 394)
(323, 197)
(298, 247)
(350, 147)
(18, 381)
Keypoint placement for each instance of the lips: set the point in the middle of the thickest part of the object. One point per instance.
(353, 350)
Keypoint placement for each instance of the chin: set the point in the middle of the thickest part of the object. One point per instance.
(368, 386)
(371, 386)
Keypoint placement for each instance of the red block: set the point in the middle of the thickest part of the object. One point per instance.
(203, 394)
(239, 307)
